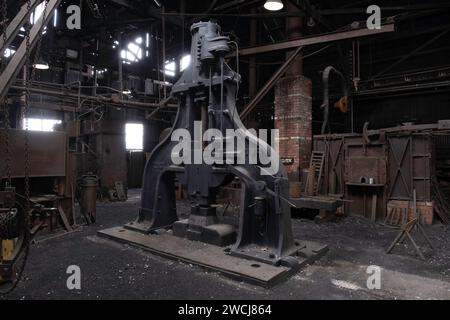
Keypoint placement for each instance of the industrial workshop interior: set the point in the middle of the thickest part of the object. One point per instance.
(205, 151)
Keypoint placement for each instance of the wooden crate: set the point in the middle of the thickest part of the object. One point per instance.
(426, 209)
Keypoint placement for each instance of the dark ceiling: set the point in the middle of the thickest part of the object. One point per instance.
(421, 41)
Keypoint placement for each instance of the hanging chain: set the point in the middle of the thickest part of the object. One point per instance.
(4, 18)
(39, 43)
(28, 82)
(25, 110)
(9, 223)
(7, 172)
(8, 216)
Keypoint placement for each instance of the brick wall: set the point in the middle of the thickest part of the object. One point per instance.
(293, 119)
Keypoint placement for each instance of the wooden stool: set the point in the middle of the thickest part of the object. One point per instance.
(406, 233)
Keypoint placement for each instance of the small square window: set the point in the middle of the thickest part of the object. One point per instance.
(37, 124)
(134, 136)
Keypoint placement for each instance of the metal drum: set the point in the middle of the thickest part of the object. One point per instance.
(88, 199)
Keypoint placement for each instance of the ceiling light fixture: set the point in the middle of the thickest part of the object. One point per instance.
(311, 22)
(41, 65)
(273, 5)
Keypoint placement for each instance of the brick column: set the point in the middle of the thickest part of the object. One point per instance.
(293, 119)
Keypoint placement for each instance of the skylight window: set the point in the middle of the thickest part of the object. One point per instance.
(170, 66)
(34, 17)
(9, 53)
(133, 52)
(169, 69)
(55, 18)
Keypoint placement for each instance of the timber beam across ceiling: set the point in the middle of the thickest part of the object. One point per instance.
(147, 9)
(316, 39)
(299, 44)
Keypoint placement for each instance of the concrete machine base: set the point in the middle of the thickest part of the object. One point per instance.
(215, 258)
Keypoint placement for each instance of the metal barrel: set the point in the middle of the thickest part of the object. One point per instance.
(88, 199)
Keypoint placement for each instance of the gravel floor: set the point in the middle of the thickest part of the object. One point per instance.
(114, 271)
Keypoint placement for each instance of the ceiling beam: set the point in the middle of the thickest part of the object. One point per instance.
(126, 4)
(270, 84)
(299, 44)
(406, 8)
(18, 60)
(147, 9)
(306, 7)
(317, 39)
(14, 27)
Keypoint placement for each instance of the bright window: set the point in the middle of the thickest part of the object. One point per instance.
(134, 136)
(169, 69)
(37, 13)
(170, 66)
(185, 62)
(133, 52)
(55, 18)
(36, 124)
(9, 52)
(34, 17)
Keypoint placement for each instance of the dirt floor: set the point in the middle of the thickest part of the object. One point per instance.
(115, 271)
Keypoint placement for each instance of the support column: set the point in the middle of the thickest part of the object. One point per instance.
(253, 89)
(293, 113)
(294, 26)
(293, 119)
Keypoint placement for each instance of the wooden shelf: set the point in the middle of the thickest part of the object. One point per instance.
(355, 184)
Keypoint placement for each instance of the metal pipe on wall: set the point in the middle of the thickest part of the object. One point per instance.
(326, 97)
(120, 67)
(163, 22)
(123, 103)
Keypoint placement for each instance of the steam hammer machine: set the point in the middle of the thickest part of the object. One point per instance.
(206, 92)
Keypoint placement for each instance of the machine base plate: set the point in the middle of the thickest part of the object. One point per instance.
(215, 258)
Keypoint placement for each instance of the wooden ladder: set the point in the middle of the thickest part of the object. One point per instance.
(318, 162)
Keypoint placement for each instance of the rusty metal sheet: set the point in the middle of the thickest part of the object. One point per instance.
(48, 151)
